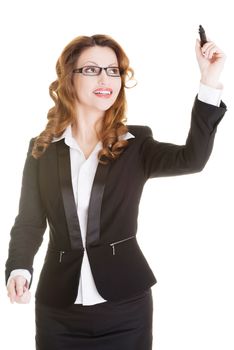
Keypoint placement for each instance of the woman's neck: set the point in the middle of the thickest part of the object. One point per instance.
(83, 129)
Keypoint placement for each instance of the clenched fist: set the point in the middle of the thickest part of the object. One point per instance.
(18, 291)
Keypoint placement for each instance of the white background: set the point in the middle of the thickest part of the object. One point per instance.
(185, 228)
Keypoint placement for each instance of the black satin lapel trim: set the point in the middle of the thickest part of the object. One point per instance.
(95, 203)
(64, 166)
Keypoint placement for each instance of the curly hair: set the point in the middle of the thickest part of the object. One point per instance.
(63, 94)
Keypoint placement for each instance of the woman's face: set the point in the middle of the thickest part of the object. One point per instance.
(86, 85)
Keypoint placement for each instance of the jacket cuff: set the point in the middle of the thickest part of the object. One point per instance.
(211, 115)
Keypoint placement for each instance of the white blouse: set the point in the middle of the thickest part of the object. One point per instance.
(83, 171)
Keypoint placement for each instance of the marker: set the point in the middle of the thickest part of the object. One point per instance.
(202, 35)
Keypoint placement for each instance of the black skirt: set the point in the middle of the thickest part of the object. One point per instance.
(125, 325)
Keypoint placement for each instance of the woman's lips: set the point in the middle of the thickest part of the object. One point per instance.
(103, 92)
(103, 96)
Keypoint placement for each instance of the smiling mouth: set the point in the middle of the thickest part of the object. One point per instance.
(106, 93)
(103, 93)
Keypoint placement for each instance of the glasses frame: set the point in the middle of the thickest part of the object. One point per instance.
(80, 70)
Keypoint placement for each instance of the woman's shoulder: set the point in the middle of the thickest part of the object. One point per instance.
(139, 130)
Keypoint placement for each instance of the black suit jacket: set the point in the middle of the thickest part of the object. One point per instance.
(119, 267)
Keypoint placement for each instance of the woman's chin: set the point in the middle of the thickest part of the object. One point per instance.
(104, 106)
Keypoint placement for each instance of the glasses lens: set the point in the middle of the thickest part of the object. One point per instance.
(113, 71)
(91, 70)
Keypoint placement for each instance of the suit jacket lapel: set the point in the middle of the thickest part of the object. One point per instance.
(95, 203)
(64, 168)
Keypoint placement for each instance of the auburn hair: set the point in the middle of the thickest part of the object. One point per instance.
(63, 94)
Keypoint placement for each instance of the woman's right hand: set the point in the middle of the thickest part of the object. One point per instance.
(18, 291)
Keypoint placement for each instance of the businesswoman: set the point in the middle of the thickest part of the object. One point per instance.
(83, 176)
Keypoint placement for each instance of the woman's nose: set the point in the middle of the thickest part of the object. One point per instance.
(103, 76)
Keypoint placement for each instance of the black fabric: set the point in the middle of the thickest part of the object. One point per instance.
(125, 325)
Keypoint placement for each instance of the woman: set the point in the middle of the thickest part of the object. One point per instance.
(84, 175)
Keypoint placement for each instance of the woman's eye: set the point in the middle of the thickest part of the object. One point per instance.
(90, 69)
(114, 70)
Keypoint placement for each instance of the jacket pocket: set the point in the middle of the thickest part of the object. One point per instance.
(113, 244)
(60, 254)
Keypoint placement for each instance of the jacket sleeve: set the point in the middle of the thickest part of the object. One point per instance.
(167, 159)
(26, 235)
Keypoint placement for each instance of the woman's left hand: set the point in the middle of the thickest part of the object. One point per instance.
(211, 62)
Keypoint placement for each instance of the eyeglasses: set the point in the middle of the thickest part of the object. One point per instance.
(95, 70)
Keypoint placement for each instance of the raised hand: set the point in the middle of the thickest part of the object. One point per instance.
(211, 61)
